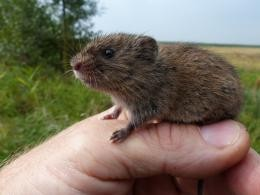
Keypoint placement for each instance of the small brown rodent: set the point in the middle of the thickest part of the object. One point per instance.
(179, 83)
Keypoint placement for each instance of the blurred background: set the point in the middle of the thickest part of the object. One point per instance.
(39, 95)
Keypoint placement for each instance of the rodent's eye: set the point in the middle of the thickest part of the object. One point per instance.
(108, 53)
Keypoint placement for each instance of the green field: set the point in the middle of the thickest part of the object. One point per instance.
(38, 102)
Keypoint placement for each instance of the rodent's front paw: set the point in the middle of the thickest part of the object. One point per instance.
(119, 135)
(113, 113)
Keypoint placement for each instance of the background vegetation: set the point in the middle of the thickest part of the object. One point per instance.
(37, 99)
(34, 32)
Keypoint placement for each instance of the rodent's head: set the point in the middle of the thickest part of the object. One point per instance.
(110, 61)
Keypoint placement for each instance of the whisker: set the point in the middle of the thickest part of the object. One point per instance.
(68, 71)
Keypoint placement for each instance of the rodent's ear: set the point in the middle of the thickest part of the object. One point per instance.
(148, 48)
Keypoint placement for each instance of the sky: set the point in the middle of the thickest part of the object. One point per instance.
(208, 21)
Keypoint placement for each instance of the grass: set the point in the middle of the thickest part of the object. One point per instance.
(38, 102)
(246, 58)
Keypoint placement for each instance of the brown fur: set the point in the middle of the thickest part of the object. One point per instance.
(179, 83)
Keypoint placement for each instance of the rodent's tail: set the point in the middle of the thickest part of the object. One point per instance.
(200, 187)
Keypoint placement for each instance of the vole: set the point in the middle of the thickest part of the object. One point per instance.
(180, 83)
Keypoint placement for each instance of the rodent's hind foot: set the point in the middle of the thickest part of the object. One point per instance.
(119, 135)
(113, 114)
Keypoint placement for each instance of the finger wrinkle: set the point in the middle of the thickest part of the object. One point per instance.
(62, 177)
(94, 161)
(125, 161)
(169, 138)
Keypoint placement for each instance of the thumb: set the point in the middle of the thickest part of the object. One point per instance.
(179, 150)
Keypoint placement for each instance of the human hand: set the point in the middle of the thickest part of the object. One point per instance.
(162, 159)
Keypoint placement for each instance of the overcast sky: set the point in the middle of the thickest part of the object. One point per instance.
(210, 21)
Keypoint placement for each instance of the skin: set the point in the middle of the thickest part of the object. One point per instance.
(162, 159)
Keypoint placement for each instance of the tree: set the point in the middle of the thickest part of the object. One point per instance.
(73, 17)
(27, 34)
(40, 32)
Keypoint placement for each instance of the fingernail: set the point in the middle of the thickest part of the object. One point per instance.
(221, 134)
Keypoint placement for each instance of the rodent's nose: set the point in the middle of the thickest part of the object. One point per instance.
(77, 66)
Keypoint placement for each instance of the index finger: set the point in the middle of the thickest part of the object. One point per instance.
(179, 150)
